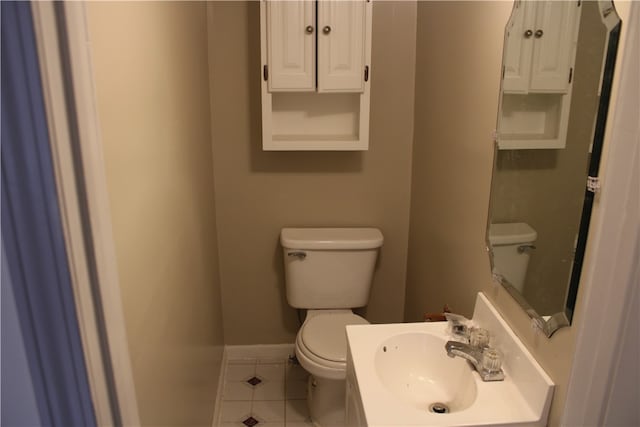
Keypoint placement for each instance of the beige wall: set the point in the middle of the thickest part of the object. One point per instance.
(459, 49)
(456, 110)
(151, 73)
(260, 192)
(545, 188)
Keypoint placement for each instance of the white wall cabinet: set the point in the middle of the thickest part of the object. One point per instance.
(341, 46)
(291, 45)
(540, 49)
(315, 74)
(517, 50)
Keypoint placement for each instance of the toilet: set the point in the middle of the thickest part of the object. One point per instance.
(328, 271)
(511, 244)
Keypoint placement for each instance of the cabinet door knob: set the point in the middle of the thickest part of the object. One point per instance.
(309, 29)
(528, 34)
(326, 29)
(539, 33)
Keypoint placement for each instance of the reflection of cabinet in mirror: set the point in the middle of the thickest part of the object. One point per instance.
(537, 75)
(315, 88)
(546, 188)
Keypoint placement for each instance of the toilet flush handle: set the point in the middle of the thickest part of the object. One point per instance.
(299, 254)
(525, 248)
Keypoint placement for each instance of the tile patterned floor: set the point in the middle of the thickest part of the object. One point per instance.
(264, 393)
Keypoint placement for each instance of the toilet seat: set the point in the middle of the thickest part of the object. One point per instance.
(324, 334)
(321, 344)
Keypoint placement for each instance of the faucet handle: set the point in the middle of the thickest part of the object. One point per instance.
(479, 337)
(459, 327)
(491, 360)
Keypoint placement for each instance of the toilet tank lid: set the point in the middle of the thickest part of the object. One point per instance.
(331, 238)
(511, 233)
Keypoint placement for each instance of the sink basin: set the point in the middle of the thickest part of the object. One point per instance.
(408, 366)
(400, 375)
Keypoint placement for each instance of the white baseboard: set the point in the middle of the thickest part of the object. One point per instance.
(260, 351)
(217, 410)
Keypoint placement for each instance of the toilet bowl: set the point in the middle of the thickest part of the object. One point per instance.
(321, 349)
(321, 343)
(328, 271)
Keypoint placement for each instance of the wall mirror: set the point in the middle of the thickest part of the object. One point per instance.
(557, 71)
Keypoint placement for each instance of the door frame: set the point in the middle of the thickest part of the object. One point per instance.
(610, 274)
(70, 102)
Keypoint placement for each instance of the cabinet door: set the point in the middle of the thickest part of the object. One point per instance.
(518, 48)
(291, 45)
(554, 45)
(354, 416)
(341, 45)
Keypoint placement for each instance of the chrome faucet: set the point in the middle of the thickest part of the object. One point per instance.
(485, 360)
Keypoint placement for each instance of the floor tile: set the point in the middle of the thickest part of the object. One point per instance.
(296, 410)
(236, 390)
(271, 372)
(296, 389)
(254, 381)
(233, 412)
(240, 372)
(269, 390)
(252, 421)
(295, 372)
(268, 410)
(278, 398)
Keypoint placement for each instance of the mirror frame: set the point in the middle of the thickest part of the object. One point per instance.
(612, 22)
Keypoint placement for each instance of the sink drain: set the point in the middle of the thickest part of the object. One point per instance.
(439, 408)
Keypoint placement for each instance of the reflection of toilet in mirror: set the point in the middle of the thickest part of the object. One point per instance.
(511, 244)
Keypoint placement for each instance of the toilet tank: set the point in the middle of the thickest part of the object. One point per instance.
(329, 267)
(511, 244)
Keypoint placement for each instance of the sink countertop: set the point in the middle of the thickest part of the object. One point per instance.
(522, 399)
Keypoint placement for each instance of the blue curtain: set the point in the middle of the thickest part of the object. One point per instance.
(32, 233)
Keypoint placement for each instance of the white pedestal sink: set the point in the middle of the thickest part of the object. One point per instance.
(400, 375)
